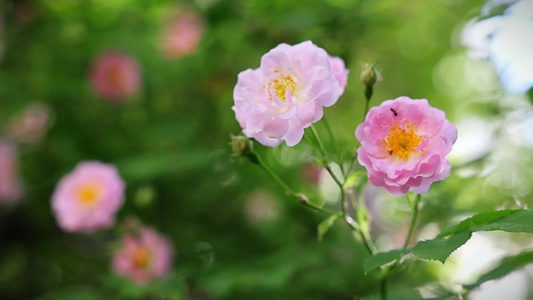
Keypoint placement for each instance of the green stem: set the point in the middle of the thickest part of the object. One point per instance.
(321, 147)
(367, 106)
(383, 288)
(413, 220)
(301, 198)
(332, 137)
(325, 160)
(367, 241)
(358, 144)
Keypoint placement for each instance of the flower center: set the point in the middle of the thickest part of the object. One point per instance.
(114, 75)
(401, 142)
(140, 257)
(279, 86)
(88, 194)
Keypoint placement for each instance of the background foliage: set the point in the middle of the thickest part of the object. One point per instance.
(170, 144)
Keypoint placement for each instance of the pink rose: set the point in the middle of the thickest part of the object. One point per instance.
(182, 36)
(10, 188)
(286, 94)
(87, 198)
(337, 64)
(143, 257)
(404, 144)
(115, 76)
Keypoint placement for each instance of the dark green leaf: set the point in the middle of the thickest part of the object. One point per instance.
(517, 222)
(530, 95)
(324, 226)
(440, 248)
(506, 266)
(379, 259)
(478, 220)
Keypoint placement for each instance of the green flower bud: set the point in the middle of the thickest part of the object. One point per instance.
(242, 146)
(370, 75)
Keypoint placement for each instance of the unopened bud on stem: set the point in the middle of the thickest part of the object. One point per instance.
(242, 146)
(370, 75)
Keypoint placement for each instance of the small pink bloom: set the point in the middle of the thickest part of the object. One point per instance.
(286, 94)
(404, 144)
(337, 64)
(31, 126)
(115, 76)
(311, 173)
(10, 188)
(182, 36)
(87, 198)
(143, 257)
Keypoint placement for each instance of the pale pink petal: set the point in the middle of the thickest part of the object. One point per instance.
(286, 94)
(99, 209)
(155, 261)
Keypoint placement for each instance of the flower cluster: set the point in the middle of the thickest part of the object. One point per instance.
(404, 144)
(287, 93)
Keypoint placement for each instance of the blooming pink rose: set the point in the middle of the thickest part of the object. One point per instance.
(182, 36)
(337, 64)
(88, 198)
(404, 144)
(115, 76)
(10, 188)
(286, 94)
(143, 257)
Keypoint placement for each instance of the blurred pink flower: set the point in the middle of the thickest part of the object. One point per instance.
(115, 76)
(404, 143)
(31, 126)
(10, 188)
(182, 36)
(337, 64)
(286, 94)
(143, 257)
(87, 198)
(311, 173)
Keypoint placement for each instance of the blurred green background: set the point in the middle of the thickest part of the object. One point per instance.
(237, 236)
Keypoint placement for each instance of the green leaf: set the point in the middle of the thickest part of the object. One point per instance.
(517, 222)
(506, 266)
(478, 220)
(379, 259)
(440, 248)
(325, 225)
(354, 179)
(530, 95)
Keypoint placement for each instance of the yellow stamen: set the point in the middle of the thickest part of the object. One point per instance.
(280, 84)
(88, 194)
(115, 77)
(140, 257)
(401, 142)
